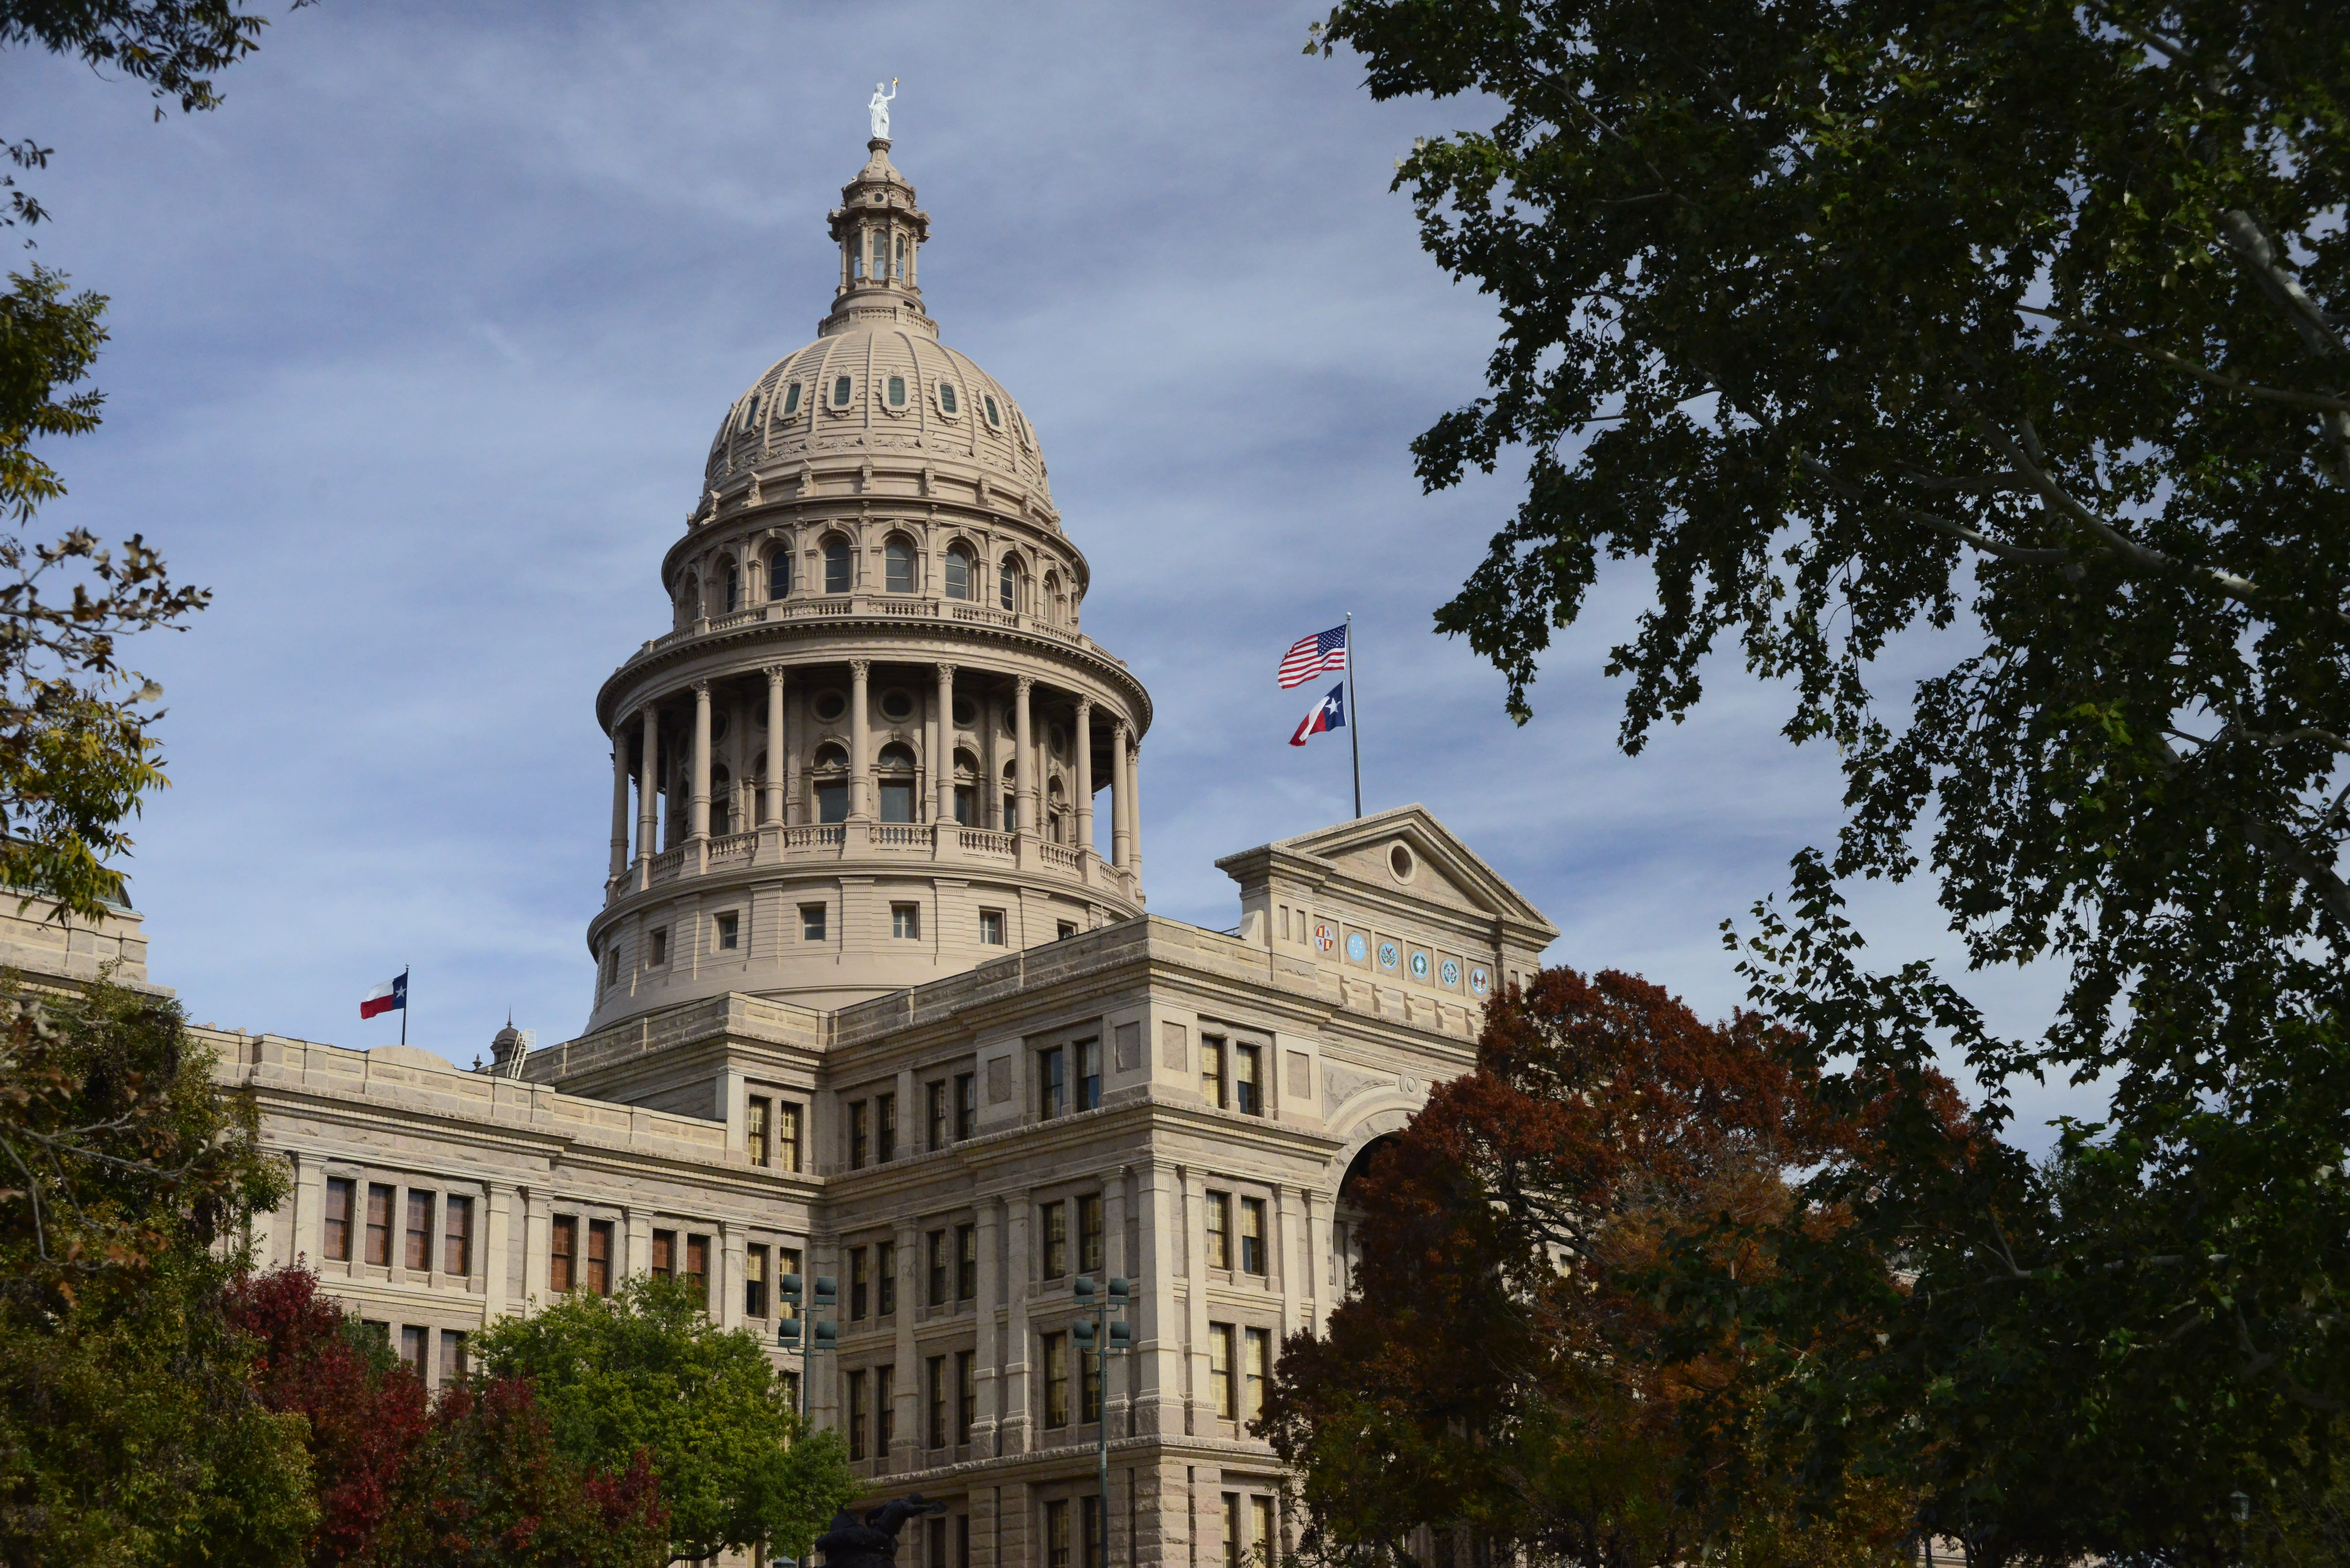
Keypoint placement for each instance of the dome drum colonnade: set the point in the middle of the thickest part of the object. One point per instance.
(875, 661)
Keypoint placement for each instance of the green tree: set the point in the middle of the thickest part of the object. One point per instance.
(129, 1431)
(2018, 322)
(646, 1369)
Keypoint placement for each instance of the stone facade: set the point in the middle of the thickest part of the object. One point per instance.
(839, 1065)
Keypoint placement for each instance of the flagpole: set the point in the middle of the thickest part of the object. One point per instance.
(404, 990)
(1354, 715)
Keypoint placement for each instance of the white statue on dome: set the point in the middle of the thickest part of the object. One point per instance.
(879, 109)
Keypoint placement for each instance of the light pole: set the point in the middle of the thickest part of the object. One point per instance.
(1102, 1336)
(820, 1334)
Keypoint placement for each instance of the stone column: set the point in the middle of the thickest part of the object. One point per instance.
(497, 1253)
(1023, 757)
(1157, 1336)
(700, 821)
(860, 739)
(1012, 1431)
(906, 1447)
(989, 1352)
(1084, 742)
(776, 747)
(1121, 805)
(991, 764)
(649, 787)
(620, 797)
(1134, 808)
(942, 763)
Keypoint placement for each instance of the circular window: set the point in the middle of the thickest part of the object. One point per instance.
(1477, 980)
(966, 712)
(718, 725)
(1451, 973)
(830, 705)
(896, 704)
(1060, 741)
(1400, 861)
(1388, 955)
(1357, 948)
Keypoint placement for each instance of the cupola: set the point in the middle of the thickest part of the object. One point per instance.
(880, 234)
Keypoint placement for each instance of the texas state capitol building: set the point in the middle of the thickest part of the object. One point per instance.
(869, 1002)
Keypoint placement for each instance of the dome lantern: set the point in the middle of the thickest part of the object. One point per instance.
(880, 234)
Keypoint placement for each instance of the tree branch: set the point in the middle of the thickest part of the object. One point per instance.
(1957, 530)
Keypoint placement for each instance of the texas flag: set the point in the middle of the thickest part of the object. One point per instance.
(1330, 713)
(384, 998)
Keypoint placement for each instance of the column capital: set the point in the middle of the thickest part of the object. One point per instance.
(1120, 728)
(861, 668)
(777, 673)
(946, 670)
(1085, 708)
(1027, 683)
(701, 689)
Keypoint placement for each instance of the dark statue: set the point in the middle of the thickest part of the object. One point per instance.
(871, 1541)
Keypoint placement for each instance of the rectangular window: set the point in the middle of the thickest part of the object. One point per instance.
(418, 1254)
(885, 1409)
(1212, 1071)
(831, 805)
(756, 1133)
(1266, 1543)
(563, 1255)
(812, 922)
(885, 1127)
(1253, 1236)
(905, 922)
(664, 1254)
(1057, 1534)
(860, 1282)
(730, 932)
(697, 1268)
(1248, 1093)
(1089, 1235)
(935, 1246)
(341, 1193)
(612, 963)
(1090, 1387)
(934, 1381)
(885, 1279)
(934, 1552)
(1056, 1348)
(1219, 1367)
(966, 806)
(1220, 1230)
(859, 1427)
(860, 1133)
(966, 1262)
(1051, 1082)
(755, 1282)
(452, 1356)
(1053, 1222)
(411, 1350)
(963, 1540)
(1090, 1075)
(600, 1256)
(657, 947)
(379, 1226)
(991, 928)
(1090, 1506)
(966, 1393)
(1259, 1351)
(934, 1102)
(457, 1236)
(898, 805)
(966, 1105)
(787, 1135)
(1235, 1552)
(787, 1262)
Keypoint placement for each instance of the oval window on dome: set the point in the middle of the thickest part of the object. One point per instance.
(947, 404)
(987, 401)
(841, 392)
(791, 400)
(896, 392)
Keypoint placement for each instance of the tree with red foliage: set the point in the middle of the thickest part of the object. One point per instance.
(404, 1481)
(1503, 1373)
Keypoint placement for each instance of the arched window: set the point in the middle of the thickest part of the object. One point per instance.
(1051, 604)
(958, 572)
(1011, 817)
(894, 769)
(722, 801)
(880, 253)
(898, 565)
(966, 788)
(832, 783)
(838, 565)
(901, 255)
(689, 601)
(733, 580)
(759, 795)
(947, 398)
(832, 754)
(1007, 586)
(779, 572)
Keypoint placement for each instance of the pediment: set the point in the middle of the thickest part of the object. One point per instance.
(1435, 866)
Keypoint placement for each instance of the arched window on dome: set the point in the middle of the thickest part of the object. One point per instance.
(722, 801)
(896, 391)
(901, 258)
(1011, 817)
(966, 788)
(1049, 604)
(843, 388)
(894, 774)
(958, 572)
(689, 601)
(1008, 584)
(779, 571)
(791, 400)
(949, 404)
(831, 782)
(731, 576)
(839, 566)
(898, 564)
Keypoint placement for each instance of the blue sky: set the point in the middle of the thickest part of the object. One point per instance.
(419, 343)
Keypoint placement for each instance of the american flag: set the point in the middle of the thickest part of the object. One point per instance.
(1310, 656)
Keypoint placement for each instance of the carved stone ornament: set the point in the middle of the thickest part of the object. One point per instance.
(755, 498)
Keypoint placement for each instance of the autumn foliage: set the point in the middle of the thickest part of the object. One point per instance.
(1506, 1374)
(404, 1480)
